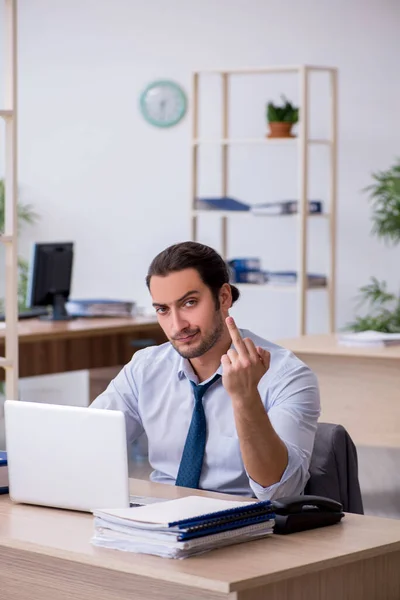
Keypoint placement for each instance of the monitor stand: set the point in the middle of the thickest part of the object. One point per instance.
(59, 312)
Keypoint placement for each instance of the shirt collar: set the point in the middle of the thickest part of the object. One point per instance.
(185, 369)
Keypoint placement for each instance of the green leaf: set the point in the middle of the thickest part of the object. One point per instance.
(26, 213)
(272, 113)
(285, 113)
(23, 269)
(384, 309)
(383, 306)
(375, 293)
(384, 197)
(378, 323)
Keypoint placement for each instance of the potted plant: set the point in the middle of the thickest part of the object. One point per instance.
(281, 119)
(384, 307)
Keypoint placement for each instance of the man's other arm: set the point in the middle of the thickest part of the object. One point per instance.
(122, 394)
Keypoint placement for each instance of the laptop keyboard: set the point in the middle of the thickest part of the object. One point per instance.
(143, 500)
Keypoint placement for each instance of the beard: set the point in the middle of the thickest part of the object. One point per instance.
(204, 344)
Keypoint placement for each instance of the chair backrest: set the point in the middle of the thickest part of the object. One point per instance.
(334, 468)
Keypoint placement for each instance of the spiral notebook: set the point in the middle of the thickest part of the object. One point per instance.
(184, 513)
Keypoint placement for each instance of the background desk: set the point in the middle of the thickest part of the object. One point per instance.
(360, 388)
(47, 347)
(46, 554)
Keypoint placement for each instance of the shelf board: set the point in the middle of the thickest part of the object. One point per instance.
(249, 214)
(251, 70)
(264, 70)
(4, 362)
(6, 114)
(256, 141)
(311, 215)
(319, 142)
(276, 287)
(6, 239)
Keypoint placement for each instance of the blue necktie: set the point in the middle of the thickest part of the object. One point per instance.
(193, 452)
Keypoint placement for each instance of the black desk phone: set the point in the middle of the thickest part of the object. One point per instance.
(299, 513)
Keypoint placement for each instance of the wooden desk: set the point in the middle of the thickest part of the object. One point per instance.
(360, 388)
(46, 554)
(47, 347)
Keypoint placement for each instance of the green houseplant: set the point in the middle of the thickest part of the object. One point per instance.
(26, 215)
(281, 118)
(383, 307)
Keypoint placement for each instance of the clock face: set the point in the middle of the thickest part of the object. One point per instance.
(163, 103)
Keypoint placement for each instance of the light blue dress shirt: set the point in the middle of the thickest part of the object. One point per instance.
(154, 392)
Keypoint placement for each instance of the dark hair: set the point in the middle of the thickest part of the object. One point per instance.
(208, 263)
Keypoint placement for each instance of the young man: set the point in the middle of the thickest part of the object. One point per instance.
(223, 409)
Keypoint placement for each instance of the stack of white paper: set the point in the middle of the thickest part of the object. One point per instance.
(369, 339)
(183, 527)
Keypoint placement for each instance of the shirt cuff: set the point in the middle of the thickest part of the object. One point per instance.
(292, 482)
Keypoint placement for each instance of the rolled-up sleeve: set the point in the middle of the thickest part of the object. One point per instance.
(122, 394)
(293, 407)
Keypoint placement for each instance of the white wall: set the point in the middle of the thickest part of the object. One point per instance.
(100, 176)
(63, 388)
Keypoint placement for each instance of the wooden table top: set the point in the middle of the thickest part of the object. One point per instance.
(66, 535)
(327, 345)
(35, 329)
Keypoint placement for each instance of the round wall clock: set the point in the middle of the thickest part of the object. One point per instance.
(163, 103)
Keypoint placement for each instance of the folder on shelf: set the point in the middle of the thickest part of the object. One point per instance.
(221, 203)
(285, 207)
(290, 278)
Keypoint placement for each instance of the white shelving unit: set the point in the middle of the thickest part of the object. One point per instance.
(9, 239)
(302, 142)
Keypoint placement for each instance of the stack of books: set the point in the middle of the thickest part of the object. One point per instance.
(99, 308)
(183, 527)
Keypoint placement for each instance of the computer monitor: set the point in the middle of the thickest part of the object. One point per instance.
(49, 278)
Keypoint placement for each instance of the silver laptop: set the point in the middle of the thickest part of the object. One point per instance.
(65, 456)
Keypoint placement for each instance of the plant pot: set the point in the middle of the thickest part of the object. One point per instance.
(279, 129)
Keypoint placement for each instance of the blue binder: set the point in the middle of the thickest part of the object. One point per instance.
(225, 520)
(3, 463)
(195, 532)
(221, 203)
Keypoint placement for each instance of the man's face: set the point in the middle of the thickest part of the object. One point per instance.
(187, 312)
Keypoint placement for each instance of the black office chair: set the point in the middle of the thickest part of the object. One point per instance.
(334, 468)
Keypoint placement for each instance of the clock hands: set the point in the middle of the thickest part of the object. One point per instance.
(163, 106)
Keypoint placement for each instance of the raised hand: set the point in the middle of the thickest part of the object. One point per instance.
(243, 367)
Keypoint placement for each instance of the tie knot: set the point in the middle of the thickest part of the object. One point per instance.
(200, 390)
